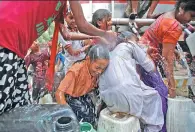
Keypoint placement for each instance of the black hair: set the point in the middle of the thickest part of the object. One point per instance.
(99, 15)
(189, 5)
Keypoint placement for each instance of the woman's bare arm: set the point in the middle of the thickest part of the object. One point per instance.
(73, 35)
(81, 22)
(152, 8)
(168, 54)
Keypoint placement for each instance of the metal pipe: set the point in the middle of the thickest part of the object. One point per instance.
(143, 21)
(112, 8)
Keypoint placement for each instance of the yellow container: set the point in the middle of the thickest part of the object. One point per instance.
(181, 83)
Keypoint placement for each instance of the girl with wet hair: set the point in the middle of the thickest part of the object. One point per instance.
(74, 48)
(102, 19)
(123, 91)
(80, 79)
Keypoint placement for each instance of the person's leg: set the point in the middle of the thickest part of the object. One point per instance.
(42, 90)
(139, 100)
(134, 6)
(83, 107)
(22, 85)
(35, 92)
(128, 9)
(58, 77)
(152, 115)
(13, 81)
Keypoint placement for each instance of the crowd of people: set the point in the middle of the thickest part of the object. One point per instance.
(118, 68)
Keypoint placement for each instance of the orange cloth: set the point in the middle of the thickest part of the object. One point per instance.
(162, 31)
(78, 80)
(50, 71)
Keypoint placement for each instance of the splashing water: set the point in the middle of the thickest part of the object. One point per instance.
(183, 59)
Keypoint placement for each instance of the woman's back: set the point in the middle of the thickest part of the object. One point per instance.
(122, 67)
(163, 30)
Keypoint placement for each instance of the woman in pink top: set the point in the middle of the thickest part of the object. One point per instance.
(20, 24)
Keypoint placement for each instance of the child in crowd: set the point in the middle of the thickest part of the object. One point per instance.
(102, 19)
(38, 59)
(79, 80)
(60, 58)
(74, 49)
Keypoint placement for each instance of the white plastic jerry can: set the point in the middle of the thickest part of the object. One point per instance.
(191, 122)
(47, 99)
(109, 122)
(178, 112)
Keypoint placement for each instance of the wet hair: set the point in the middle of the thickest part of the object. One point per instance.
(98, 52)
(189, 5)
(124, 36)
(99, 15)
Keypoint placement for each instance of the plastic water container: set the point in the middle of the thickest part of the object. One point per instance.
(109, 122)
(191, 122)
(177, 114)
(47, 99)
(40, 118)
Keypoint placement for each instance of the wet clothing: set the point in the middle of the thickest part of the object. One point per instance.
(70, 59)
(78, 81)
(83, 108)
(76, 85)
(162, 31)
(39, 62)
(123, 91)
(155, 81)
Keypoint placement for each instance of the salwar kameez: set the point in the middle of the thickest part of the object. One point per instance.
(123, 91)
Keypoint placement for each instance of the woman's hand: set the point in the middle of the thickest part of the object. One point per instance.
(85, 48)
(154, 54)
(60, 99)
(172, 92)
(177, 55)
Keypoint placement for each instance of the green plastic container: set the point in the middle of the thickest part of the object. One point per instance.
(86, 127)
